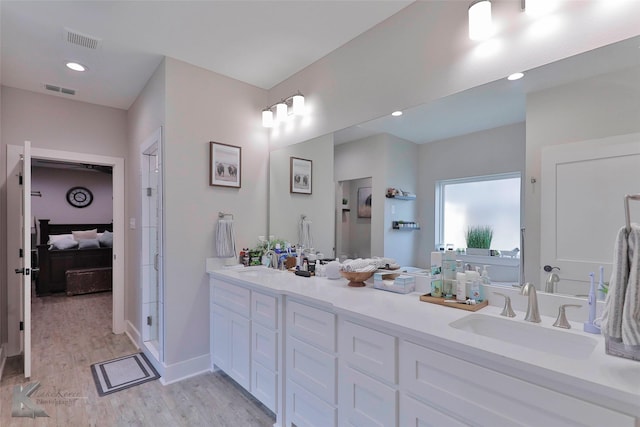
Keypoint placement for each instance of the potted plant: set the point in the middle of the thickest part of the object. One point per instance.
(479, 240)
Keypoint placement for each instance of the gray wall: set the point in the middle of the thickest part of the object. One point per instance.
(593, 108)
(493, 151)
(285, 208)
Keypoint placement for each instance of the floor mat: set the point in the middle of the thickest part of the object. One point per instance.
(122, 373)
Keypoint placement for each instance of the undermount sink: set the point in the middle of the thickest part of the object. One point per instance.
(535, 337)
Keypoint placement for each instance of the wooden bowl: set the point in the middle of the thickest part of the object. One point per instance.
(356, 279)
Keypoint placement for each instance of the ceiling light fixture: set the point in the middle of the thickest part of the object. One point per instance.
(75, 66)
(396, 113)
(480, 23)
(292, 105)
(515, 76)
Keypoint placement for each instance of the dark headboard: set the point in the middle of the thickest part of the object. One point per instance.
(46, 229)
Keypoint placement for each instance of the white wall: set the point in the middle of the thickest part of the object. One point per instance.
(423, 53)
(493, 151)
(593, 108)
(390, 162)
(53, 184)
(202, 106)
(285, 208)
(145, 115)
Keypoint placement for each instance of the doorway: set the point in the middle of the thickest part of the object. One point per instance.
(13, 232)
(353, 222)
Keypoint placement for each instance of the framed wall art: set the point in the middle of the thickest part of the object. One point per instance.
(225, 165)
(300, 176)
(364, 202)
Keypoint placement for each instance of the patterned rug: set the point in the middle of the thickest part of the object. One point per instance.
(122, 373)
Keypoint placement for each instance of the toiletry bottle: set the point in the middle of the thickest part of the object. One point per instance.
(486, 280)
(461, 283)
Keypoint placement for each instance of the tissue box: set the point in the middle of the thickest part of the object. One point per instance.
(401, 284)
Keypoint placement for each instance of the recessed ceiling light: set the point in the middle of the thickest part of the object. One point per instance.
(515, 76)
(76, 66)
(396, 113)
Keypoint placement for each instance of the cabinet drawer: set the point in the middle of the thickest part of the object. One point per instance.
(366, 402)
(264, 385)
(312, 325)
(312, 368)
(264, 346)
(232, 297)
(370, 351)
(264, 309)
(492, 398)
(306, 410)
(415, 413)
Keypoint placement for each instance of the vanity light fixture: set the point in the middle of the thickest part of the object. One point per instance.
(76, 66)
(480, 22)
(515, 76)
(292, 105)
(396, 113)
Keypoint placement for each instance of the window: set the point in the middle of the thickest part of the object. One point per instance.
(479, 201)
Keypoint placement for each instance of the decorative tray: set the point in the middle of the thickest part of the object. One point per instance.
(440, 301)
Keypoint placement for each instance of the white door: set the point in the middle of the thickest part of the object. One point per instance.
(582, 206)
(25, 268)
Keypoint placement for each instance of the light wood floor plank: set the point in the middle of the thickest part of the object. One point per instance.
(71, 333)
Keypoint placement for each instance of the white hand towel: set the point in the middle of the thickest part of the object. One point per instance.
(225, 239)
(621, 315)
(304, 234)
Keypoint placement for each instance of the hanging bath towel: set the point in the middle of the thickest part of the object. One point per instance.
(621, 315)
(225, 239)
(304, 234)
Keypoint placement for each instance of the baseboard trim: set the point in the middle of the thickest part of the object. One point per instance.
(186, 369)
(133, 334)
(3, 359)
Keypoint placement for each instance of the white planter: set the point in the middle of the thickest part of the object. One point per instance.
(478, 251)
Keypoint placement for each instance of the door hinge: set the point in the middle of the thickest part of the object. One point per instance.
(21, 253)
(21, 325)
(149, 191)
(149, 320)
(20, 179)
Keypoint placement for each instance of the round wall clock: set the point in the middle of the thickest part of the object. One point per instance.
(79, 197)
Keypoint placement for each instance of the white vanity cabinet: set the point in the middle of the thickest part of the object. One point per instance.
(368, 376)
(311, 366)
(244, 338)
(439, 386)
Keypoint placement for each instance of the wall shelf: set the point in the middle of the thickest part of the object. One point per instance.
(403, 197)
(405, 225)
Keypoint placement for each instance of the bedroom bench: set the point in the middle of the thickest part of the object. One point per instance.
(88, 280)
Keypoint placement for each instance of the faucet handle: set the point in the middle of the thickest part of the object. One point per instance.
(561, 321)
(507, 310)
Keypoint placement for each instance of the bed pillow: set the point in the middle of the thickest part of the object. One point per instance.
(55, 237)
(85, 234)
(62, 244)
(88, 244)
(106, 240)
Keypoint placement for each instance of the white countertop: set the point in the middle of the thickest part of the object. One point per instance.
(609, 381)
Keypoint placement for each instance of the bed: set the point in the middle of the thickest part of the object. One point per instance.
(54, 263)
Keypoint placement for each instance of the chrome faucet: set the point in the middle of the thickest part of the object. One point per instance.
(552, 280)
(273, 258)
(533, 314)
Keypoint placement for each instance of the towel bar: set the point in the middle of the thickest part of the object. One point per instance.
(626, 208)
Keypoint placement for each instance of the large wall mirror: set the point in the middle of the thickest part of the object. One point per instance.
(586, 103)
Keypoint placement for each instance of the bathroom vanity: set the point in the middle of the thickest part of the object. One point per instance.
(319, 353)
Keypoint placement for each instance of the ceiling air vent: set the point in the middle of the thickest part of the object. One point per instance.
(54, 88)
(80, 39)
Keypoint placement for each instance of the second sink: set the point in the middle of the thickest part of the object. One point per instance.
(535, 337)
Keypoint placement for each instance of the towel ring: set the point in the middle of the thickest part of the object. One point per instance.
(222, 215)
(626, 209)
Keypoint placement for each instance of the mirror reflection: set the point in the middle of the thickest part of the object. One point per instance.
(569, 131)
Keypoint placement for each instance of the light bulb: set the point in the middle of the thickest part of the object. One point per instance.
(267, 118)
(298, 105)
(281, 112)
(480, 24)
